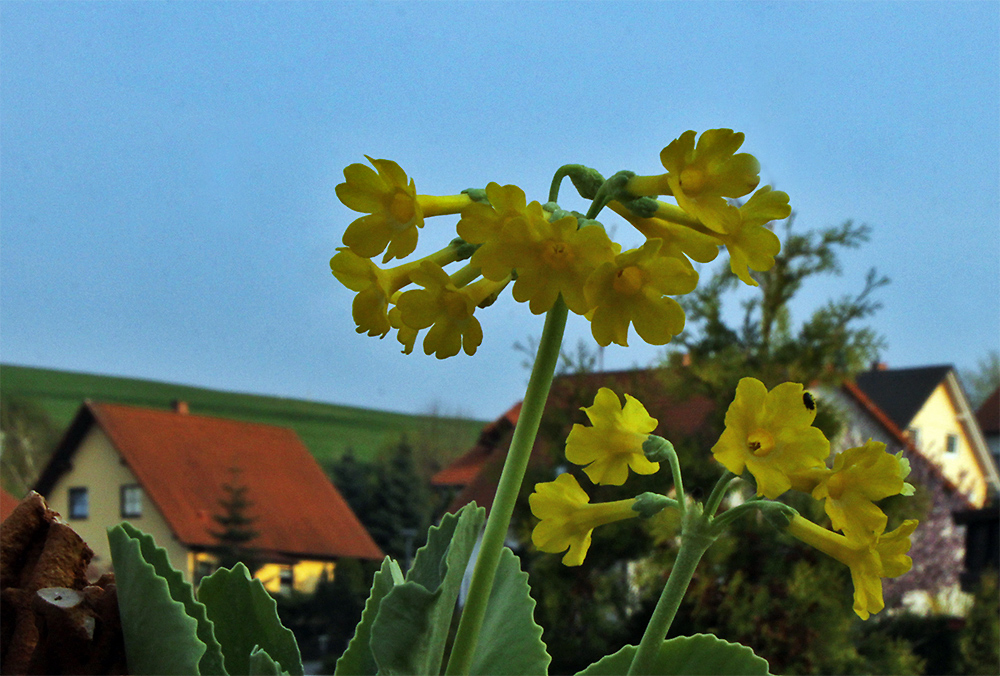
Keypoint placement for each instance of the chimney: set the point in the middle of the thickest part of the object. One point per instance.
(879, 366)
(180, 406)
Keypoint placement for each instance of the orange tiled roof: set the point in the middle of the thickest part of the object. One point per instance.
(182, 462)
(7, 504)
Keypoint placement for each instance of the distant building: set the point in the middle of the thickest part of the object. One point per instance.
(988, 417)
(930, 406)
(164, 471)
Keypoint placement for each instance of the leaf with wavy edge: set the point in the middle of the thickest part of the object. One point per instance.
(698, 655)
(358, 660)
(246, 617)
(160, 636)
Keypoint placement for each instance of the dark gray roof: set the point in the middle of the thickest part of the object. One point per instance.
(900, 393)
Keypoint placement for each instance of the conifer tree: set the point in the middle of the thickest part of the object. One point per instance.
(237, 525)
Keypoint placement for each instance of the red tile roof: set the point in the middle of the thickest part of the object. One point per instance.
(182, 462)
(7, 504)
(988, 414)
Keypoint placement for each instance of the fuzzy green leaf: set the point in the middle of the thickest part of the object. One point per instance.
(160, 636)
(261, 664)
(414, 618)
(698, 655)
(358, 660)
(510, 642)
(246, 617)
(180, 590)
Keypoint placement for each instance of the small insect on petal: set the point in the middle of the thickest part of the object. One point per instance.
(808, 400)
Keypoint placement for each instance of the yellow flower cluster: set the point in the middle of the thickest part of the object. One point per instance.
(548, 252)
(770, 434)
(606, 450)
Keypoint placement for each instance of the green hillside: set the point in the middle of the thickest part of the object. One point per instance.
(327, 430)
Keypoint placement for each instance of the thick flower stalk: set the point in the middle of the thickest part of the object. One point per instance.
(771, 435)
(613, 444)
(870, 560)
(861, 477)
(394, 210)
(568, 519)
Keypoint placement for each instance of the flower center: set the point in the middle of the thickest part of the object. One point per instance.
(557, 255)
(760, 443)
(693, 181)
(628, 280)
(455, 306)
(402, 209)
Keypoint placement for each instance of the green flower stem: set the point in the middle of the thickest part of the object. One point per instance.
(694, 543)
(460, 661)
(770, 508)
(719, 492)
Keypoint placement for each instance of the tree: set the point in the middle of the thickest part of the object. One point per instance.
(981, 381)
(389, 497)
(27, 438)
(237, 526)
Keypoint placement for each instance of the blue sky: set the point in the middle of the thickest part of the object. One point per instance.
(167, 170)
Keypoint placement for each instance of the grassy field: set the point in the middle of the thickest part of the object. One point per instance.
(327, 430)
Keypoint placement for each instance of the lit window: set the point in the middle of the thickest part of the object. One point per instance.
(951, 444)
(79, 503)
(131, 501)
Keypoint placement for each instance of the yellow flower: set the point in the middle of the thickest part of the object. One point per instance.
(678, 240)
(567, 518)
(549, 259)
(406, 335)
(614, 443)
(394, 209)
(701, 177)
(483, 222)
(633, 289)
(749, 243)
(770, 434)
(376, 286)
(446, 309)
(860, 477)
(869, 560)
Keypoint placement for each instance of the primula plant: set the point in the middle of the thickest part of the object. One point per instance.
(560, 261)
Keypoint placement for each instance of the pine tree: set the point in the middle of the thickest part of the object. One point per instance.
(237, 526)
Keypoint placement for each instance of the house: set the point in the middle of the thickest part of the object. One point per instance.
(930, 406)
(165, 471)
(988, 417)
(7, 504)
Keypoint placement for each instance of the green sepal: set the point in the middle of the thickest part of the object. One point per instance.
(698, 655)
(262, 664)
(658, 449)
(650, 504)
(358, 660)
(643, 207)
(587, 181)
(161, 635)
(246, 617)
(476, 195)
(510, 641)
(411, 628)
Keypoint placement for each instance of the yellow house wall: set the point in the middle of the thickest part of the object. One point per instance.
(934, 422)
(98, 467)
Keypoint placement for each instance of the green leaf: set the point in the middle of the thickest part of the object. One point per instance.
(697, 655)
(358, 660)
(261, 664)
(160, 637)
(246, 617)
(211, 663)
(510, 642)
(414, 619)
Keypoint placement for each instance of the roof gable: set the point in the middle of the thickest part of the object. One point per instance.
(182, 462)
(901, 393)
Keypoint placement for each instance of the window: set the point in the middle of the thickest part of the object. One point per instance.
(286, 578)
(131, 501)
(951, 444)
(914, 436)
(79, 503)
